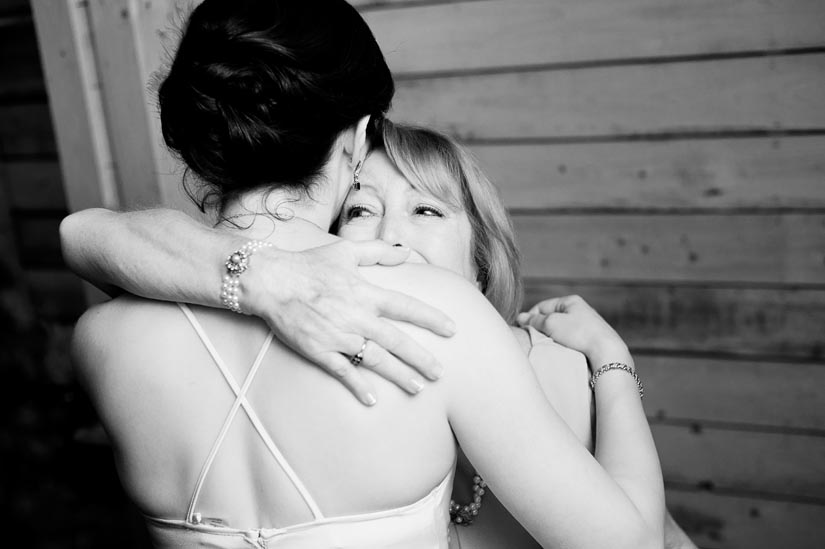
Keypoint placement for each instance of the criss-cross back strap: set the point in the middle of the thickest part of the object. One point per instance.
(242, 402)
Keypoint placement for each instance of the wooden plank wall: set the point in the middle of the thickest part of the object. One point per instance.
(665, 160)
(30, 173)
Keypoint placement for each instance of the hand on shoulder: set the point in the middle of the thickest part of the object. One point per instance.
(571, 321)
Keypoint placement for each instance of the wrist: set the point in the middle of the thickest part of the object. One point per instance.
(608, 352)
(238, 278)
(606, 369)
(266, 286)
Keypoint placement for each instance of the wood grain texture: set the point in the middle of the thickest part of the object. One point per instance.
(781, 323)
(132, 40)
(775, 464)
(774, 395)
(33, 184)
(699, 247)
(120, 57)
(74, 86)
(759, 94)
(501, 33)
(719, 174)
(368, 5)
(730, 522)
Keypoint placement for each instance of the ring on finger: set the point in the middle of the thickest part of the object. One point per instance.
(359, 356)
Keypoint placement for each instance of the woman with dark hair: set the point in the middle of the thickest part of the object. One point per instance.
(164, 378)
(257, 106)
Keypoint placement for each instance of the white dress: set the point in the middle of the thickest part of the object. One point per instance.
(422, 524)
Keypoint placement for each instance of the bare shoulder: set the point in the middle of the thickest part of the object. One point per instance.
(121, 330)
(483, 340)
(441, 288)
(119, 313)
(126, 312)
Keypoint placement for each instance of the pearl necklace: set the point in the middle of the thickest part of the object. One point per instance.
(465, 514)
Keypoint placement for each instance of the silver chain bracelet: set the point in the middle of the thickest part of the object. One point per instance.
(617, 366)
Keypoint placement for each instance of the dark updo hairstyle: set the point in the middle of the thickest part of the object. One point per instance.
(259, 90)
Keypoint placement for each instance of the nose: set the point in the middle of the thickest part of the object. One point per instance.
(392, 231)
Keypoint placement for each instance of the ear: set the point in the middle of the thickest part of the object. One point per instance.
(356, 142)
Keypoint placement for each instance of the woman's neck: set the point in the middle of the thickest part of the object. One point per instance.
(289, 221)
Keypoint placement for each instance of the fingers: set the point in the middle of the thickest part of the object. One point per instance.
(404, 348)
(535, 320)
(545, 323)
(390, 368)
(556, 305)
(398, 306)
(340, 366)
(378, 252)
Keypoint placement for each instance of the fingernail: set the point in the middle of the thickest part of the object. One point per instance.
(370, 399)
(437, 372)
(417, 385)
(450, 328)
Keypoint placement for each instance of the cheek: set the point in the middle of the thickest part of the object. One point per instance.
(469, 268)
(459, 251)
(466, 252)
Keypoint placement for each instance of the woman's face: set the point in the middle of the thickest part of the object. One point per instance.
(388, 208)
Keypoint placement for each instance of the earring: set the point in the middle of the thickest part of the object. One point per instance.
(356, 183)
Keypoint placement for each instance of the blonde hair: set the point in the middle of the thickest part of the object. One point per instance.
(436, 164)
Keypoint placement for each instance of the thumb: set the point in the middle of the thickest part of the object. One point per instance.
(378, 252)
(536, 320)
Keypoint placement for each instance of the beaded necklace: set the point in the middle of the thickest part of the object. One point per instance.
(465, 514)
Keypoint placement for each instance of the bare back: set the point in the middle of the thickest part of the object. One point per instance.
(164, 400)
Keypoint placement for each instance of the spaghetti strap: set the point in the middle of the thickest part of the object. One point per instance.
(537, 336)
(242, 402)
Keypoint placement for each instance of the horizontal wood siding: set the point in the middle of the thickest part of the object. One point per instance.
(731, 392)
(730, 520)
(781, 173)
(466, 36)
(665, 160)
(744, 321)
(717, 247)
(773, 464)
(760, 94)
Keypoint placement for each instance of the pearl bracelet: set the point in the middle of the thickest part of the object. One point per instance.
(236, 264)
(617, 366)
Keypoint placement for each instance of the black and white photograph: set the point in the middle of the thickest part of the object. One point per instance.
(412, 274)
